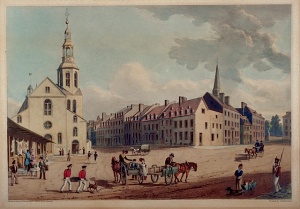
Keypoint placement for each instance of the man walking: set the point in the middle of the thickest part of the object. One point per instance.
(238, 177)
(14, 171)
(42, 166)
(83, 180)
(67, 175)
(95, 156)
(276, 170)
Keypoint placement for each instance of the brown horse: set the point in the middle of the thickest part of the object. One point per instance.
(251, 152)
(184, 168)
(115, 165)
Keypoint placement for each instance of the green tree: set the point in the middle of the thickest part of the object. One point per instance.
(276, 127)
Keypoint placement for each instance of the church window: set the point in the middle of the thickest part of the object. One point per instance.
(19, 119)
(74, 105)
(75, 79)
(68, 104)
(67, 52)
(47, 107)
(47, 89)
(67, 79)
(47, 124)
(75, 132)
(75, 119)
(59, 138)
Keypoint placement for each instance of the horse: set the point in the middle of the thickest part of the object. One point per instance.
(184, 168)
(251, 151)
(115, 165)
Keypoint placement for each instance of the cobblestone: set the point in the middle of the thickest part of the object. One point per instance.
(285, 193)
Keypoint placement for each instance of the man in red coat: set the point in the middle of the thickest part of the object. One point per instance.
(67, 176)
(83, 180)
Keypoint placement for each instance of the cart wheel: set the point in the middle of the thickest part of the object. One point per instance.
(169, 176)
(140, 178)
(154, 178)
(123, 175)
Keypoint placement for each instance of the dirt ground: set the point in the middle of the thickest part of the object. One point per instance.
(216, 166)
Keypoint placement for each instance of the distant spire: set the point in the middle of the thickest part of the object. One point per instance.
(217, 86)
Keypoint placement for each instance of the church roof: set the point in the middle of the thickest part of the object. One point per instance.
(24, 105)
(223, 104)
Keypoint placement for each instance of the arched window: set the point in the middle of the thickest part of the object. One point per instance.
(75, 80)
(68, 79)
(68, 104)
(75, 132)
(74, 105)
(19, 119)
(47, 107)
(68, 52)
(59, 138)
(74, 119)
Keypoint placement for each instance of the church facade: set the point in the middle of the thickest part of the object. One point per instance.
(55, 111)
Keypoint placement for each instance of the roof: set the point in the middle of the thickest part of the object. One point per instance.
(253, 112)
(24, 105)
(155, 112)
(223, 104)
(15, 129)
(188, 107)
(287, 115)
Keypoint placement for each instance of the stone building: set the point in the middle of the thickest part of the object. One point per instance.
(55, 110)
(229, 119)
(256, 120)
(287, 126)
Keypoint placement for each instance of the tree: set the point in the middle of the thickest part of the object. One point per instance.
(276, 127)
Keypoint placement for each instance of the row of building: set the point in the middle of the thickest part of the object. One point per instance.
(207, 120)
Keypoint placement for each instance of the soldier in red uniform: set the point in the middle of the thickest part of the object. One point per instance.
(276, 170)
(67, 175)
(83, 180)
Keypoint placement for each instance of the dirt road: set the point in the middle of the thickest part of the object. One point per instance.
(216, 166)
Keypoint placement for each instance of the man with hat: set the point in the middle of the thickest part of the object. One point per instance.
(276, 170)
(122, 158)
(42, 166)
(82, 177)
(67, 175)
(169, 160)
(14, 171)
(257, 146)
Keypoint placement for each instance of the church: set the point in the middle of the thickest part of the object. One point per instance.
(55, 110)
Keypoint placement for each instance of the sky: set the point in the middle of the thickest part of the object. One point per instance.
(147, 54)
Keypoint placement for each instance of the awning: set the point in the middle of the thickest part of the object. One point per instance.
(15, 130)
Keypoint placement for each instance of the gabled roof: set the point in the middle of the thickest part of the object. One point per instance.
(253, 112)
(187, 107)
(223, 104)
(155, 113)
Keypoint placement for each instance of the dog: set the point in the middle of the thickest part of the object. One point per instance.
(233, 191)
(93, 187)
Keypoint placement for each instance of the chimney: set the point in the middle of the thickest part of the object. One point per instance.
(227, 100)
(180, 100)
(141, 107)
(243, 105)
(222, 97)
(166, 102)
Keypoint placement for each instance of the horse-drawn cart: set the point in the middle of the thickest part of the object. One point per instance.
(154, 171)
(143, 150)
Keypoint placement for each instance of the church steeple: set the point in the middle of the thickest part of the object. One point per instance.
(68, 72)
(217, 86)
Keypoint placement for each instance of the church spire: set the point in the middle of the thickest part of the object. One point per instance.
(217, 86)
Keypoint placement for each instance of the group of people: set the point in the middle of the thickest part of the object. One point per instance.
(81, 177)
(259, 146)
(276, 171)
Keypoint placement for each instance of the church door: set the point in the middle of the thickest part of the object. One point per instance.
(75, 147)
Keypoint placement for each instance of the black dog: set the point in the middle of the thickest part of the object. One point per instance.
(233, 191)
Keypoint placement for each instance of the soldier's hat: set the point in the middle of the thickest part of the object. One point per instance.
(69, 165)
(13, 162)
(171, 155)
(276, 160)
(84, 166)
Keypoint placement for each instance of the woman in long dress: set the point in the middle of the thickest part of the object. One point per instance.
(27, 159)
(143, 167)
